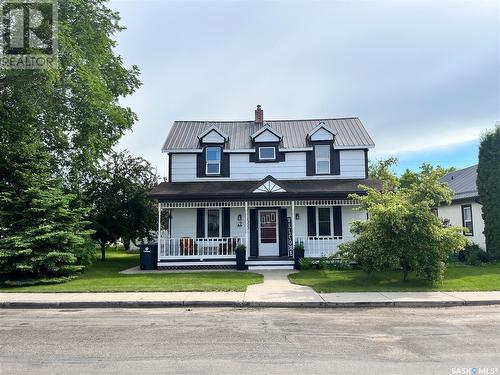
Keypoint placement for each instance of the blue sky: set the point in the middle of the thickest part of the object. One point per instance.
(423, 76)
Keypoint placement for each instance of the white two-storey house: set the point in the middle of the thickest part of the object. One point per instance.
(267, 184)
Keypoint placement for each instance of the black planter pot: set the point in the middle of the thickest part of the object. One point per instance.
(298, 254)
(240, 260)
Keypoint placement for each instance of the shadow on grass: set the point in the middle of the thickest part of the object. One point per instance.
(457, 278)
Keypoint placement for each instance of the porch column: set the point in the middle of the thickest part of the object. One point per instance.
(293, 223)
(159, 232)
(247, 241)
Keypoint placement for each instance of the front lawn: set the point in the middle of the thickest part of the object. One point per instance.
(457, 278)
(105, 277)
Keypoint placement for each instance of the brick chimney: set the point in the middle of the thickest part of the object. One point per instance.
(259, 116)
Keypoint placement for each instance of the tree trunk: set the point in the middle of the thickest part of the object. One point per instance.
(103, 250)
(126, 244)
(405, 272)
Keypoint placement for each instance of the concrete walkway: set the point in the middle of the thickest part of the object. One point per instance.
(275, 291)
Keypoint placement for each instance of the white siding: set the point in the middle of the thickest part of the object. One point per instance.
(213, 137)
(321, 135)
(266, 136)
(454, 214)
(294, 166)
(301, 224)
(183, 222)
(352, 164)
(349, 214)
(183, 167)
(237, 231)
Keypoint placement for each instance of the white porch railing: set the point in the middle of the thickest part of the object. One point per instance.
(316, 246)
(198, 248)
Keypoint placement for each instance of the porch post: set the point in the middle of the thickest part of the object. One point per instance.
(247, 244)
(293, 223)
(159, 232)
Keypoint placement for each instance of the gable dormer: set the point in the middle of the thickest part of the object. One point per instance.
(324, 159)
(266, 141)
(213, 135)
(211, 161)
(321, 132)
(266, 134)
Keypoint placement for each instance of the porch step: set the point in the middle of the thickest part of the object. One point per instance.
(271, 267)
(266, 262)
(270, 263)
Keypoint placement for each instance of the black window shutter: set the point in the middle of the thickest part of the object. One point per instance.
(310, 168)
(200, 223)
(200, 164)
(226, 223)
(334, 161)
(283, 232)
(224, 172)
(254, 236)
(337, 221)
(311, 221)
(280, 156)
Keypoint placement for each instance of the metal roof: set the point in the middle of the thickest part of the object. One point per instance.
(463, 183)
(350, 133)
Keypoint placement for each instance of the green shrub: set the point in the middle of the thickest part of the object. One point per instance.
(473, 255)
(299, 246)
(323, 263)
(240, 247)
(340, 264)
(306, 263)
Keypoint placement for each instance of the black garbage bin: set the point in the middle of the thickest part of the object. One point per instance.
(149, 256)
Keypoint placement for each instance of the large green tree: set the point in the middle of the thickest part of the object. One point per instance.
(401, 231)
(72, 112)
(121, 208)
(43, 235)
(488, 184)
(73, 108)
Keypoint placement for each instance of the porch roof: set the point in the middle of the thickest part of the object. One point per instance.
(245, 190)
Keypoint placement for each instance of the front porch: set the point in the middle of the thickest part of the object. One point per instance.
(198, 233)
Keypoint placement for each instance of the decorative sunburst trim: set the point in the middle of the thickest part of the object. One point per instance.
(269, 187)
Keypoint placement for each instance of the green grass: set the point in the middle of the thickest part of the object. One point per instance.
(104, 277)
(457, 278)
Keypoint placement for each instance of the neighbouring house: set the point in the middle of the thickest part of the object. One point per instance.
(267, 184)
(466, 208)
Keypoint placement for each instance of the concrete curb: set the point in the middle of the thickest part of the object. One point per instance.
(240, 304)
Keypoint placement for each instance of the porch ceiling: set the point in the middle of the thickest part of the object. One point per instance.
(244, 190)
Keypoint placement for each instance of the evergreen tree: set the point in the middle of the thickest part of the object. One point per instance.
(42, 236)
(488, 184)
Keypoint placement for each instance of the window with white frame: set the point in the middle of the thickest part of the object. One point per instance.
(322, 156)
(267, 153)
(324, 222)
(213, 156)
(214, 224)
(467, 220)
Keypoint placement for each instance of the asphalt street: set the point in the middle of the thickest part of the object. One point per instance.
(251, 341)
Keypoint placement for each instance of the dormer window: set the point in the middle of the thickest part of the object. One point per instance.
(267, 153)
(213, 157)
(322, 157)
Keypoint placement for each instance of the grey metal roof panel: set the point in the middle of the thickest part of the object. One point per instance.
(350, 133)
(462, 182)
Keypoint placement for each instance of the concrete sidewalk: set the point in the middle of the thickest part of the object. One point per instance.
(276, 291)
